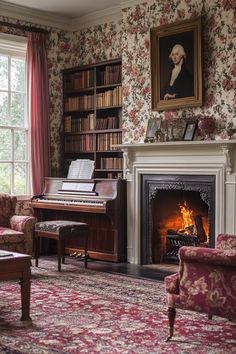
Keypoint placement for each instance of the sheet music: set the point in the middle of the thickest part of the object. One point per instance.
(77, 186)
(81, 169)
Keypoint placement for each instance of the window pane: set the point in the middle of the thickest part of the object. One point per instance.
(5, 177)
(17, 109)
(3, 73)
(20, 145)
(20, 178)
(17, 75)
(4, 116)
(5, 144)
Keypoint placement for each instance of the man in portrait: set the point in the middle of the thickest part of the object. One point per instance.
(180, 81)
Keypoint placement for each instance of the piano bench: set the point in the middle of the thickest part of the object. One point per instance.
(61, 230)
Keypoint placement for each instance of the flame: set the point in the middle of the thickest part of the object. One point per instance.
(187, 214)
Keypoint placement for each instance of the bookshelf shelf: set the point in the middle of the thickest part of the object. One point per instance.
(92, 99)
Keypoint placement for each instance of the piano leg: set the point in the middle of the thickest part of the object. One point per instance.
(86, 250)
(63, 252)
(59, 253)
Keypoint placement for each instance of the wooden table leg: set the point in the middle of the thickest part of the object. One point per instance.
(25, 296)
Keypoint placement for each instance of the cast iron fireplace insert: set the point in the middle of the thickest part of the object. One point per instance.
(163, 198)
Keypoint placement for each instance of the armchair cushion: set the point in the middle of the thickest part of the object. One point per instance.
(11, 240)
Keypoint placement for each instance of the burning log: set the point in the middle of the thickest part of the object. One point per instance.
(201, 234)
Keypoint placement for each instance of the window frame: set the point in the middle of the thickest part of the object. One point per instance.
(14, 46)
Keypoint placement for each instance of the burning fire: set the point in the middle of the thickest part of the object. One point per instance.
(188, 224)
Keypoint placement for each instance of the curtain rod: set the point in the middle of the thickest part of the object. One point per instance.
(24, 28)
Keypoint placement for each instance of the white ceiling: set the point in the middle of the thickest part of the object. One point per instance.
(65, 14)
(67, 8)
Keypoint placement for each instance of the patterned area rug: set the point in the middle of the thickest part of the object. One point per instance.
(84, 311)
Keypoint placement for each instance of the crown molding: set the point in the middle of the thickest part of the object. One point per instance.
(103, 16)
(96, 18)
(39, 17)
(48, 19)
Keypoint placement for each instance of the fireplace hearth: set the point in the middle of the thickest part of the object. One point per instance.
(176, 210)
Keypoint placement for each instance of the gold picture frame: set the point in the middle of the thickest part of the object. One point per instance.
(177, 44)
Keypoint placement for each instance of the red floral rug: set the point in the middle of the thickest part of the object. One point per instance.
(84, 311)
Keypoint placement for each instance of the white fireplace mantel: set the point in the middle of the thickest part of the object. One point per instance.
(217, 158)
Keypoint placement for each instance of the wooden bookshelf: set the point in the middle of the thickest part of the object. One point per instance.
(92, 97)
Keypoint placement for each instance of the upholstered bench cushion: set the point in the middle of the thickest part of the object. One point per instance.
(61, 227)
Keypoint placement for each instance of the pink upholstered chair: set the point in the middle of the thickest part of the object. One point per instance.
(16, 232)
(205, 282)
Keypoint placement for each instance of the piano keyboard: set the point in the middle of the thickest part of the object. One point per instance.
(72, 202)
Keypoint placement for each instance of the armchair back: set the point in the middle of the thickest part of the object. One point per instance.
(7, 208)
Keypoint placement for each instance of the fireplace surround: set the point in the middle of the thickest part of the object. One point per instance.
(182, 158)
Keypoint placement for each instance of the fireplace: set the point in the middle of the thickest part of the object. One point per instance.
(197, 160)
(176, 210)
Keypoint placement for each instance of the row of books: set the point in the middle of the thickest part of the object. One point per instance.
(86, 142)
(107, 123)
(83, 79)
(81, 143)
(109, 98)
(106, 140)
(111, 162)
(79, 103)
(80, 80)
(77, 125)
(113, 174)
(110, 75)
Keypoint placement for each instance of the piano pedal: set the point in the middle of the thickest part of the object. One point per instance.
(78, 255)
(73, 254)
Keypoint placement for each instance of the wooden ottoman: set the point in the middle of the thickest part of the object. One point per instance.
(61, 231)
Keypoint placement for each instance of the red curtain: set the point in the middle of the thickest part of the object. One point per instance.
(37, 72)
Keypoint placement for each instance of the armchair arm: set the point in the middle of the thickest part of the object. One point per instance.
(22, 223)
(208, 256)
(172, 283)
(225, 241)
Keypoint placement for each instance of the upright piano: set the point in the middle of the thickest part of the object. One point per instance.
(101, 203)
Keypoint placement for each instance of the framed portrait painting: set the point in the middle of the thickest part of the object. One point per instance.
(176, 65)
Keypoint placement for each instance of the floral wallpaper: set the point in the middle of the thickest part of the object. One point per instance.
(129, 38)
(219, 54)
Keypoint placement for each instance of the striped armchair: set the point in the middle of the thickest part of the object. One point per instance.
(205, 282)
(16, 232)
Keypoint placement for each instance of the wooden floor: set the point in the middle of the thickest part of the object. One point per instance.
(152, 271)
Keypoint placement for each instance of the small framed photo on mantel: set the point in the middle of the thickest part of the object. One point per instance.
(153, 125)
(189, 131)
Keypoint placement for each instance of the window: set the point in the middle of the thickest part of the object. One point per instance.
(14, 142)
